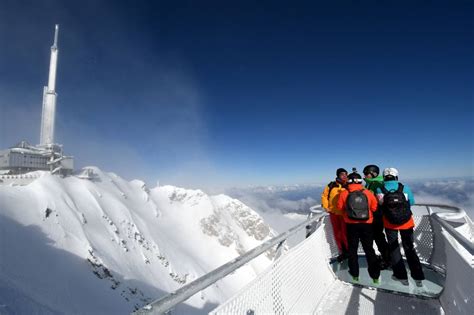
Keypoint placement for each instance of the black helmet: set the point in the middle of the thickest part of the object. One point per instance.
(372, 170)
(354, 178)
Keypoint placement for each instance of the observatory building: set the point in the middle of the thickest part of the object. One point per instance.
(23, 157)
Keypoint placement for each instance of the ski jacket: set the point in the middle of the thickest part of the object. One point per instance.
(373, 183)
(393, 185)
(329, 199)
(341, 203)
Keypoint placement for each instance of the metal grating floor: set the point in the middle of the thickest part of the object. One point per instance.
(388, 297)
(432, 285)
(344, 298)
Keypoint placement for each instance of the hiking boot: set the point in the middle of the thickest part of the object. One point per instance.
(402, 281)
(376, 281)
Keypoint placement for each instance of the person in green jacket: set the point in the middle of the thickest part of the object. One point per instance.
(373, 181)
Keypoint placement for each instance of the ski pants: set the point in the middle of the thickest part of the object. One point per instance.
(398, 266)
(339, 230)
(362, 232)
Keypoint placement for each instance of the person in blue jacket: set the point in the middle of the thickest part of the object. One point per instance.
(399, 220)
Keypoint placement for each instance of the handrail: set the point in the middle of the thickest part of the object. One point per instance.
(458, 214)
(166, 303)
(441, 218)
(467, 244)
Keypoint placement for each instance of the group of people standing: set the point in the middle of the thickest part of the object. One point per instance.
(363, 213)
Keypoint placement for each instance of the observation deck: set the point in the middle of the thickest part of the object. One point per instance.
(307, 280)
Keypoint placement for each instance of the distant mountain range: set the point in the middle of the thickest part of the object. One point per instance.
(299, 198)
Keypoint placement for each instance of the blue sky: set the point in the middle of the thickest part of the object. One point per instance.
(217, 94)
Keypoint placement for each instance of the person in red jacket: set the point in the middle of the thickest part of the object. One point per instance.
(358, 204)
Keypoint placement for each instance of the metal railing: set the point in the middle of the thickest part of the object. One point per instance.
(442, 217)
(166, 303)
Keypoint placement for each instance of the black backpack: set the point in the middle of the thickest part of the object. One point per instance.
(395, 206)
(332, 185)
(357, 206)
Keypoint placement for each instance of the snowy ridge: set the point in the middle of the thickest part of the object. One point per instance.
(106, 245)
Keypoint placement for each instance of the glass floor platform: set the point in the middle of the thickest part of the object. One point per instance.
(431, 286)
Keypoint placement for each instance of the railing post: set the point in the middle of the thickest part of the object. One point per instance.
(279, 250)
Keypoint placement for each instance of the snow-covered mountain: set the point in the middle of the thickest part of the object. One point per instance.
(104, 245)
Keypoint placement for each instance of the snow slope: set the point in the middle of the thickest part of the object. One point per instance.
(108, 246)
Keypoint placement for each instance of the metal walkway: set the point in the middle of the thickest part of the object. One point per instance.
(344, 298)
(303, 280)
(431, 286)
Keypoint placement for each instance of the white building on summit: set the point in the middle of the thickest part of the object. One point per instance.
(23, 157)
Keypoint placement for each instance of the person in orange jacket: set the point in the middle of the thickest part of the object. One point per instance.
(357, 205)
(329, 203)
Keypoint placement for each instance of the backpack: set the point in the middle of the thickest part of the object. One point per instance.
(395, 206)
(357, 206)
(332, 185)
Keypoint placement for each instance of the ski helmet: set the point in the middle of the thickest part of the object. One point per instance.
(354, 178)
(390, 173)
(371, 169)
